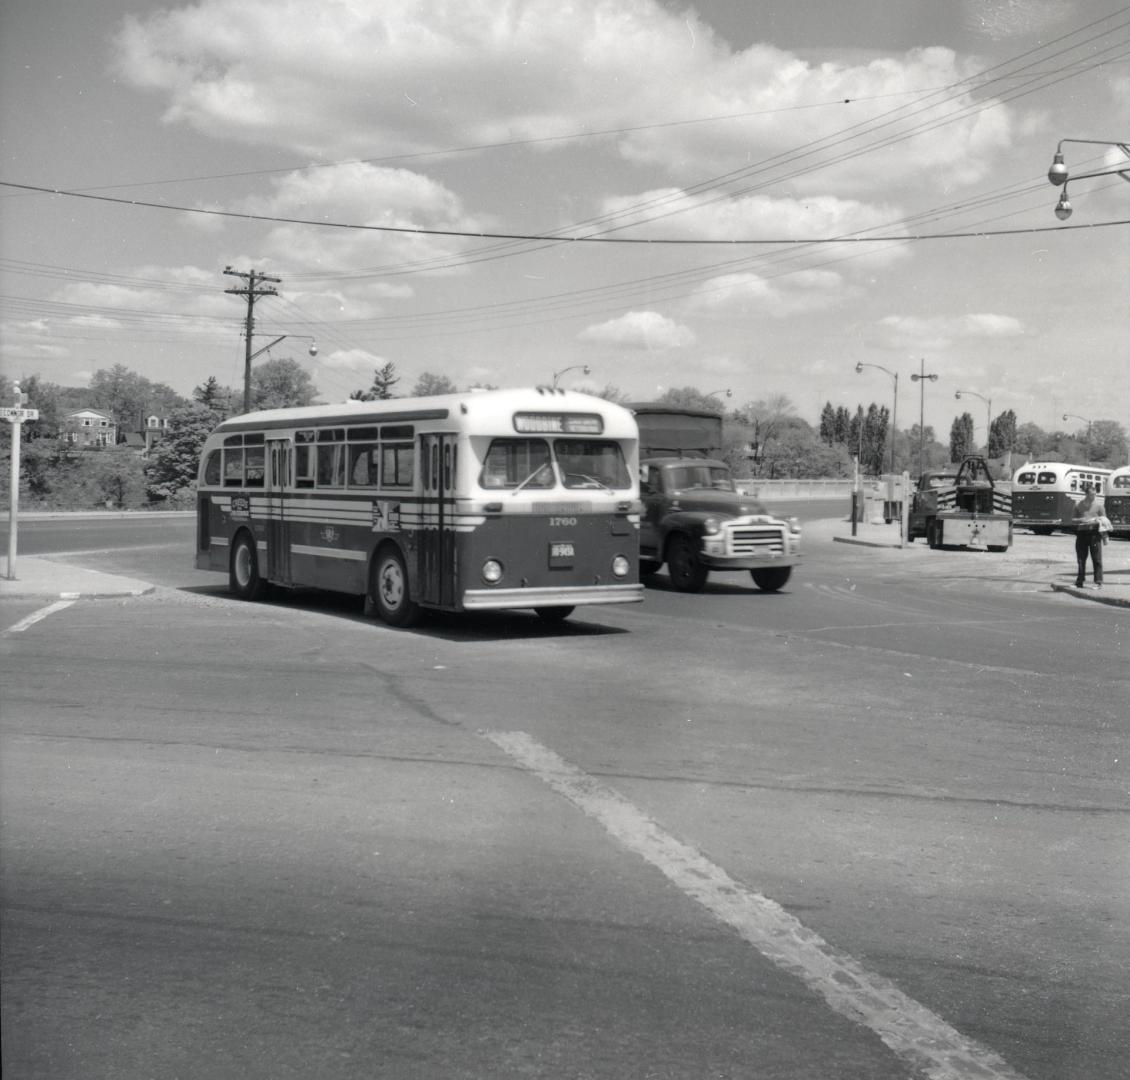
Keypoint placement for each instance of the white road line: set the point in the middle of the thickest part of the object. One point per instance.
(35, 616)
(918, 1036)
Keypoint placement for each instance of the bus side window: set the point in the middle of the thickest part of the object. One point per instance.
(254, 467)
(304, 466)
(331, 465)
(397, 465)
(212, 469)
(362, 465)
(233, 466)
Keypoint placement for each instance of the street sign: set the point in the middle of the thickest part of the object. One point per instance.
(15, 415)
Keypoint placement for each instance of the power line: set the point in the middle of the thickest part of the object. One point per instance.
(483, 235)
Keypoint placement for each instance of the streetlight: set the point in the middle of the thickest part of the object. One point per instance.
(259, 352)
(557, 374)
(988, 415)
(895, 411)
(728, 393)
(920, 377)
(1059, 175)
(1074, 416)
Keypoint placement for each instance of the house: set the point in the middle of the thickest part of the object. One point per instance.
(87, 428)
(154, 431)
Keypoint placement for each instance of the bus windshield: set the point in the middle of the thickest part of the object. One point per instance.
(583, 463)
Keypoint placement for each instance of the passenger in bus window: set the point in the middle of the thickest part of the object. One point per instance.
(1088, 537)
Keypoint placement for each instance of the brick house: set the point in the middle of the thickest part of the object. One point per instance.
(87, 428)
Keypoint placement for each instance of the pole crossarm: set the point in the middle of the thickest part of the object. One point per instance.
(253, 291)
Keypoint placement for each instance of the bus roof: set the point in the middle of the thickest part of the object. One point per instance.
(480, 405)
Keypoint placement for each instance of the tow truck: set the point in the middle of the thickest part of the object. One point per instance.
(962, 508)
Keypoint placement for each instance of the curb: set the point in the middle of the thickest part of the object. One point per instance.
(1093, 595)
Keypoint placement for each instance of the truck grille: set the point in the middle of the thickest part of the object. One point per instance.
(756, 540)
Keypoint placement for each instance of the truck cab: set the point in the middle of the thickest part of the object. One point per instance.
(694, 518)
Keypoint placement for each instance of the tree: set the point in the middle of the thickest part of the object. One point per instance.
(129, 397)
(689, 397)
(429, 385)
(117, 478)
(828, 425)
(613, 393)
(281, 384)
(173, 462)
(384, 379)
(1030, 441)
(961, 437)
(842, 425)
(1002, 435)
(213, 396)
(1108, 443)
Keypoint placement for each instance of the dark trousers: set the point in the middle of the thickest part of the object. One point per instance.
(1088, 541)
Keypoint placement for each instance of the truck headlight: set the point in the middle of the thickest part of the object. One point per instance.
(710, 527)
(794, 525)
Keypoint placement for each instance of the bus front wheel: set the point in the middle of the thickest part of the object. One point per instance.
(554, 614)
(389, 590)
(243, 574)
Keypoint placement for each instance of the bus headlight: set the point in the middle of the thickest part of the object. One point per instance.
(621, 566)
(492, 571)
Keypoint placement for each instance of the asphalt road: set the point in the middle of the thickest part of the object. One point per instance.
(874, 826)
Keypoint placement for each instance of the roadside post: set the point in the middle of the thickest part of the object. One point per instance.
(15, 414)
(904, 515)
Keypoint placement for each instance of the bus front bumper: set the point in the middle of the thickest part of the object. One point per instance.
(550, 596)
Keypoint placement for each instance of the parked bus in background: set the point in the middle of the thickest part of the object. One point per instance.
(1044, 494)
(488, 500)
(1117, 501)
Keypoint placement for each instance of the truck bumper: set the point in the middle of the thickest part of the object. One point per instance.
(975, 532)
(747, 562)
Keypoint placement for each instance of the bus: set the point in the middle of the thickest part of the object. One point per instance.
(1044, 494)
(1117, 500)
(488, 500)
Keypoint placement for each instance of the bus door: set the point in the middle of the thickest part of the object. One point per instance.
(436, 566)
(280, 454)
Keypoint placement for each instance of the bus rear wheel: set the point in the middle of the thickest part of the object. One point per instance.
(243, 573)
(554, 614)
(389, 591)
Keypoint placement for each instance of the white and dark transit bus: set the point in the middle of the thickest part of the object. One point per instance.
(1044, 494)
(488, 500)
(1117, 501)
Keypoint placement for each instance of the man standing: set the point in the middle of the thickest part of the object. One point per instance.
(1088, 538)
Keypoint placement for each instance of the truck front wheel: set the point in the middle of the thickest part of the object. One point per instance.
(687, 572)
(771, 578)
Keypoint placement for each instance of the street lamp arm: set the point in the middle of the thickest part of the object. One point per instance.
(574, 367)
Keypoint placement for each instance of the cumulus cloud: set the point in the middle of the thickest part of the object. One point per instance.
(791, 294)
(341, 79)
(639, 330)
(942, 332)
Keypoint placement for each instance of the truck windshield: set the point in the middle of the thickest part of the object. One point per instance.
(714, 477)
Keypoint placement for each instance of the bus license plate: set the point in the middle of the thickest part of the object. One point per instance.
(561, 553)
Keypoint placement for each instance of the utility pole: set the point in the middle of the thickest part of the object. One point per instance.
(252, 293)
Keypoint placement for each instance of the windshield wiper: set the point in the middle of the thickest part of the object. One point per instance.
(544, 465)
(592, 479)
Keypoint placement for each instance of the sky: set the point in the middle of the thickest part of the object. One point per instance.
(751, 198)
